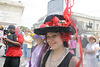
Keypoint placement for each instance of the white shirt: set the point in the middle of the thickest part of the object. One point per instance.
(90, 48)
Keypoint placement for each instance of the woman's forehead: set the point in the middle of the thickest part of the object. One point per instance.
(51, 33)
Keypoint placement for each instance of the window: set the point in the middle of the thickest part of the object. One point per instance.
(97, 26)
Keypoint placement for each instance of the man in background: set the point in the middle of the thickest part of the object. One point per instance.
(84, 42)
(14, 52)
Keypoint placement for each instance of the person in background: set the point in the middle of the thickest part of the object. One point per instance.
(73, 44)
(37, 51)
(84, 44)
(1, 36)
(92, 52)
(33, 42)
(14, 52)
(19, 29)
(27, 48)
(99, 50)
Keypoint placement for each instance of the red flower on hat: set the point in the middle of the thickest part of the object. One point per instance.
(66, 36)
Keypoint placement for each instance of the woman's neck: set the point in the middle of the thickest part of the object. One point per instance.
(59, 51)
(92, 43)
(41, 43)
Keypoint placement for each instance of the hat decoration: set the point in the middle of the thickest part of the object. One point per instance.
(54, 22)
(39, 36)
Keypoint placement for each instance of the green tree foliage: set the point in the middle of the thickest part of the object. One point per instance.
(23, 28)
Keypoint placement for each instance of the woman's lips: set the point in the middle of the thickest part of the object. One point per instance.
(52, 44)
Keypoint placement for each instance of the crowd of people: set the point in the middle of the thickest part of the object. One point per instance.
(55, 44)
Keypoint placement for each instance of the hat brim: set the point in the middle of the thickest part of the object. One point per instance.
(45, 30)
(92, 37)
(8, 29)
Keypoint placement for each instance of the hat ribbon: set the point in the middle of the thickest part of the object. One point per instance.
(68, 13)
(80, 44)
(54, 22)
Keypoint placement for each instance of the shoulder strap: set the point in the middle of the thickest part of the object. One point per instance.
(66, 61)
(45, 58)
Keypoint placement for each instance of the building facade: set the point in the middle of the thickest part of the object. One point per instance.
(88, 24)
(10, 13)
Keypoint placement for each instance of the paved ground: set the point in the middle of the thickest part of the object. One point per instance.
(2, 58)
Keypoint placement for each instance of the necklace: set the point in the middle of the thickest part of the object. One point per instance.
(58, 60)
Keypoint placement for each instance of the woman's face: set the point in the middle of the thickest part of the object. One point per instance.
(38, 41)
(54, 40)
(92, 40)
(26, 32)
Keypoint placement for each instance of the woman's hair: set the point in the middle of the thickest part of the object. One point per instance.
(65, 43)
(27, 30)
(47, 45)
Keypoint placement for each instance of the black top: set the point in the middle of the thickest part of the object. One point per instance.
(12, 37)
(64, 63)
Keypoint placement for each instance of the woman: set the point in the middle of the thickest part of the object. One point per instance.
(27, 47)
(57, 38)
(92, 52)
(73, 44)
(37, 52)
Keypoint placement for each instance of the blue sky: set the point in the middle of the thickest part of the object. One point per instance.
(34, 9)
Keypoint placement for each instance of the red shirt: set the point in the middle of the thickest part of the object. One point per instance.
(16, 51)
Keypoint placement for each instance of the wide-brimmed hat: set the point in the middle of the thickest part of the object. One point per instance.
(54, 23)
(92, 37)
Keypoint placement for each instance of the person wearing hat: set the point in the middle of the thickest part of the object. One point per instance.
(14, 52)
(37, 51)
(57, 38)
(92, 52)
(58, 32)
